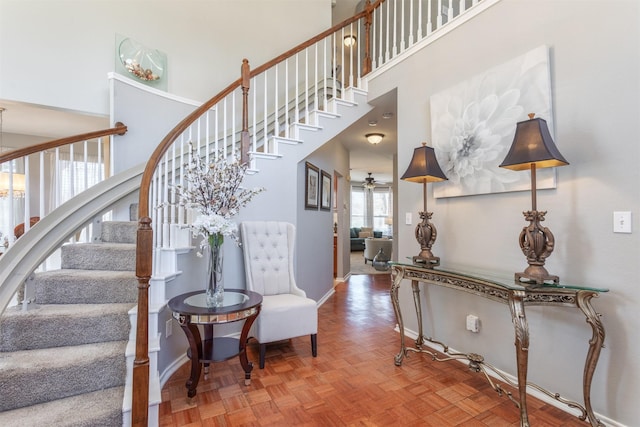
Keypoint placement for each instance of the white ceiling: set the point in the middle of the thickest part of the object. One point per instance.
(30, 119)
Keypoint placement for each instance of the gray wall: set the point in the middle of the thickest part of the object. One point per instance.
(315, 227)
(595, 73)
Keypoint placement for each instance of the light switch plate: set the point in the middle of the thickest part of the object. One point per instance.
(407, 218)
(622, 222)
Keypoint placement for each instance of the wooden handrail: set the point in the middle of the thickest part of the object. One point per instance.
(144, 249)
(119, 129)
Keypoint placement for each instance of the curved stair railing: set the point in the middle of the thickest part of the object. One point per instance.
(288, 93)
(96, 142)
(28, 252)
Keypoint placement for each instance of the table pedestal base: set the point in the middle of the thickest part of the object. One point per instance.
(216, 349)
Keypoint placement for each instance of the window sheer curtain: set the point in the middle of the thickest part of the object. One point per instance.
(359, 207)
(73, 173)
(11, 209)
(370, 208)
(381, 203)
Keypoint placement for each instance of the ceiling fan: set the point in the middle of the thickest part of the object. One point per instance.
(369, 182)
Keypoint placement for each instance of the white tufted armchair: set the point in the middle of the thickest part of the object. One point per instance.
(268, 260)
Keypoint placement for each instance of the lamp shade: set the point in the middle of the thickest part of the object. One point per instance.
(18, 184)
(532, 144)
(424, 167)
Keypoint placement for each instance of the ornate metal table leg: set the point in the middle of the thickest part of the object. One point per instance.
(522, 350)
(595, 345)
(416, 301)
(395, 286)
(242, 350)
(195, 348)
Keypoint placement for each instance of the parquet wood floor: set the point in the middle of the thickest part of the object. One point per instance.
(352, 382)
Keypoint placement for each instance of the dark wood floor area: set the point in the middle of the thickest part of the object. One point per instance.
(352, 382)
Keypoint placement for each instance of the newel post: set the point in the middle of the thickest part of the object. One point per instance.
(140, 398)
(244, 134)
(366, 66)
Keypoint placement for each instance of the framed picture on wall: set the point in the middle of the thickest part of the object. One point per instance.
(473, 124)
(325, 191)
(311, 185)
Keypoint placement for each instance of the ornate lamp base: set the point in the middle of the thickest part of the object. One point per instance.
(429, 262)
(426, 234)
(537, 275)
(537, 243)
(427, 258)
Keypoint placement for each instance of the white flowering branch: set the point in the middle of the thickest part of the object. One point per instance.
(215, 191)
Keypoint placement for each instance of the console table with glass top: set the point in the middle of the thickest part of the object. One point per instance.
(191, 310)
(517, 295)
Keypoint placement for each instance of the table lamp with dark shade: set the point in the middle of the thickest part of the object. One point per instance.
(425, 168)
(534, 148)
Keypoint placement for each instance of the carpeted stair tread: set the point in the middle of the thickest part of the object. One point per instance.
(74, 286)
(60, 325)
(63, 363)
(119, 231)
(102, 408)
(36, 376)
(99, 256)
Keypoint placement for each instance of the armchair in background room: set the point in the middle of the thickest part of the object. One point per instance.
(268, 261)
(373, 245)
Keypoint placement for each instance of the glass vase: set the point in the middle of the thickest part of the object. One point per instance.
(381, 261)
(214, 278)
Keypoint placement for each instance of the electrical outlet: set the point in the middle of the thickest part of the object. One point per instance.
(473, 323)
(168, 328)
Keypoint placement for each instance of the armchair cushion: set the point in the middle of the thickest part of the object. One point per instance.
(285, 316)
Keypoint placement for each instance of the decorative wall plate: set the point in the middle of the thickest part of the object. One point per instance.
(142, 62)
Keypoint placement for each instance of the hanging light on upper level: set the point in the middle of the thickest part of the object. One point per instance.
(350, 40)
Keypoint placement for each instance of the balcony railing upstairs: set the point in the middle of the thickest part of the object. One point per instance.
(264, 108)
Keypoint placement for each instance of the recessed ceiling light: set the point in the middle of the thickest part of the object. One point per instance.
(387, 115)
(373, 122)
